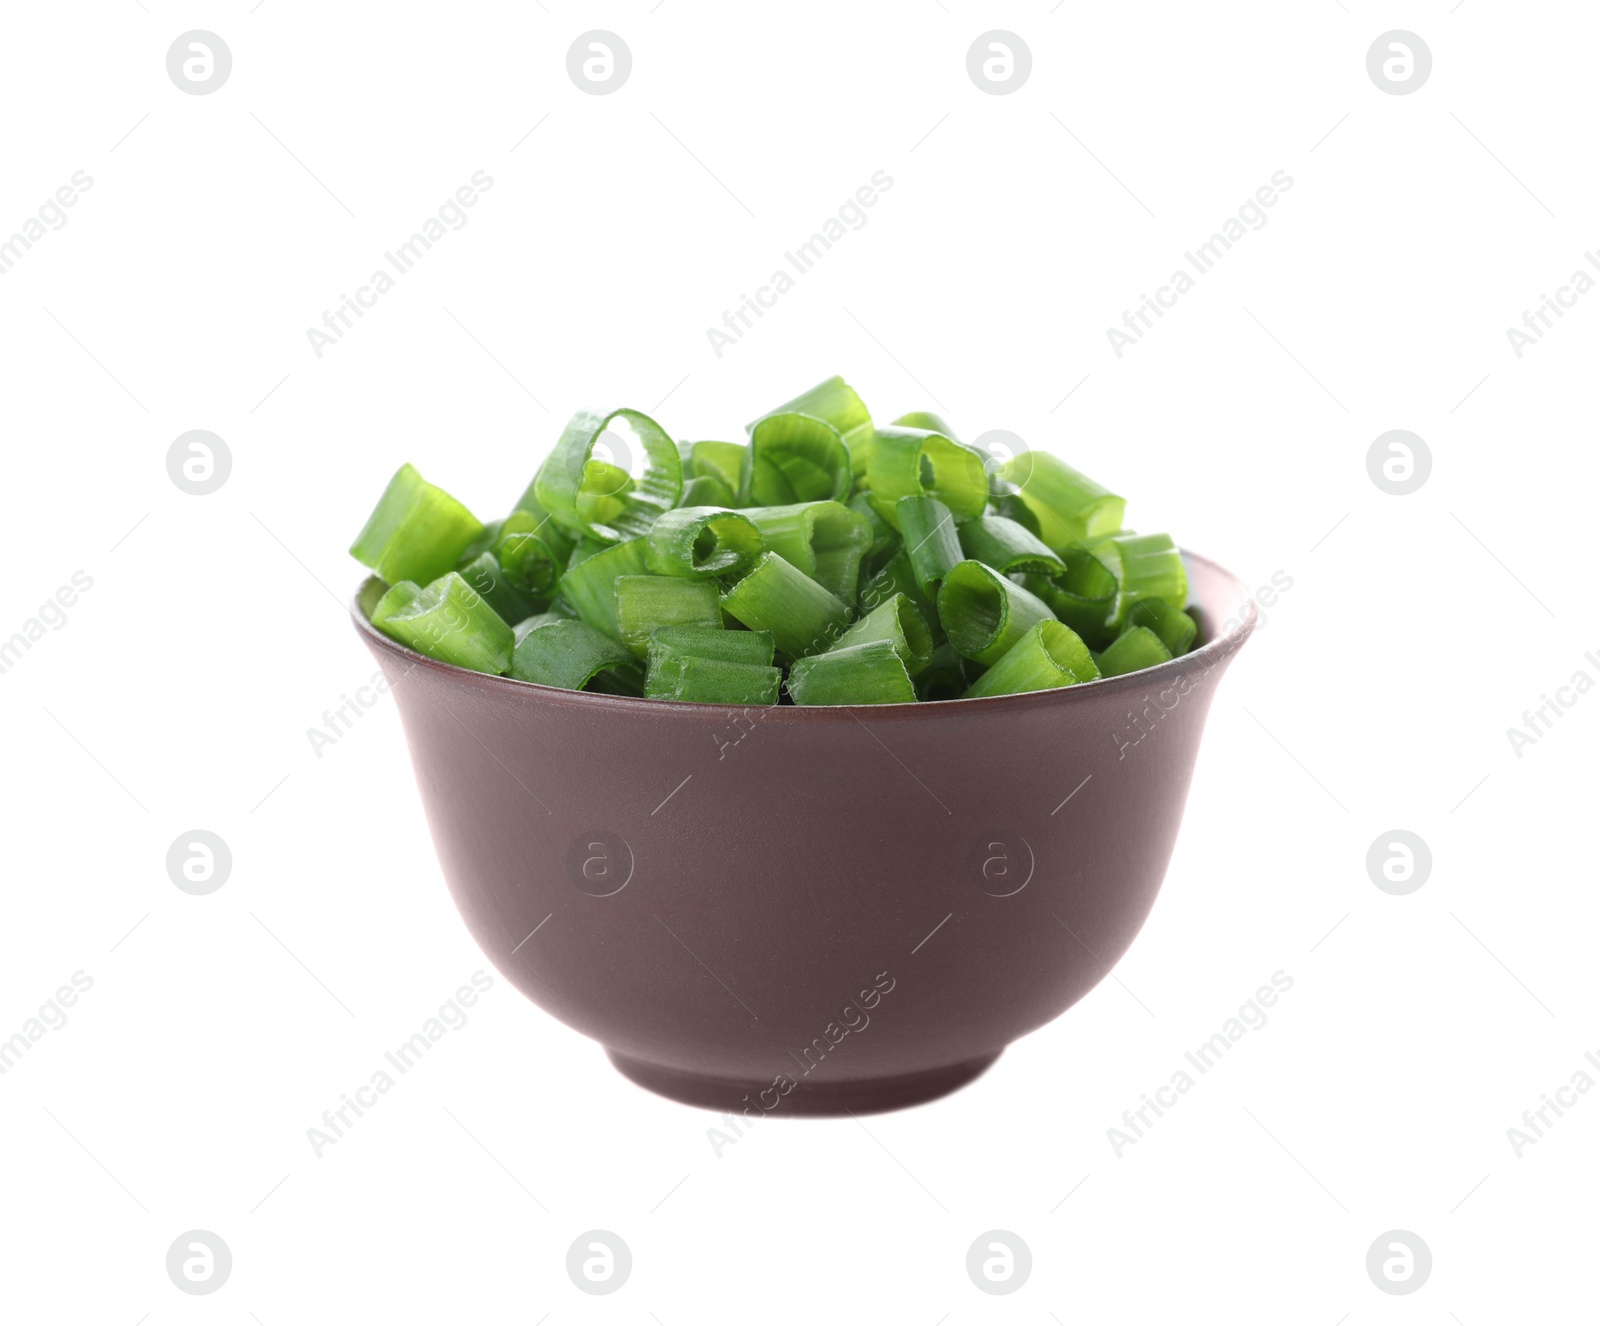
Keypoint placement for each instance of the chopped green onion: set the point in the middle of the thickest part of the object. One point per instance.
(927, 421)
(485, 576)
(1089, 617)
(697, 679)
(1049, 655)
(596, 497)
(898, 576)
(1014, 508)
(533, 623)
(1175, 629)
(823, 539)
(834, 402)
(945, 677)
(794, 458)
(647, 603)
(1071, 508)
(373, 588)
(1147, 566)
(450, 621)
(702, 541)
(1136, 648)
(900, 623)
(802, 616)
(396, 598)
(754, 647)
(984, 613)
(869, 673)
(531, 551)
(884, 535)
(488, 536)
(1007, 546)
(717, 460)
(931, 540)
(707, 490)
(913, 462)
(567, 654)
(416, 532)
(590, 586)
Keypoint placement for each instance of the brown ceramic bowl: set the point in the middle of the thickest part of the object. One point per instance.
(809, 910)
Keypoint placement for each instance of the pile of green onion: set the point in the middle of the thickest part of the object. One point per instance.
(828, 559)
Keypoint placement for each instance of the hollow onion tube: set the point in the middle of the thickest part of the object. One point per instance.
(647, 603)
(702, 542)
(1014, 508)
(531, 550)
(566, 654)
(1071, 508)
(834, 402)
(1175, 629)
(945, 677)
(1089, 617)
(533, 623)
(373, 588)
(794, 458)
(488, 536)
(754, 647)
(701, 680)
(395, 598)
(802, 616)
(984, 614)
(869, 673)
(450, 621)
(1147, 566)
(587, 494)
(707, 490)
(932, 543)
(716, 460)
(823, 539)
(911, 462)
(483, 573)
(417, 532)
(1136, 648)
(1007, 546)
(1049, 655)
(898, 621)
(927, 420)
(590, 586)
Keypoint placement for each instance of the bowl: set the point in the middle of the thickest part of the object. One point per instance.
(826, 910)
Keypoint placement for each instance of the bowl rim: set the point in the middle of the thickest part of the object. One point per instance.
(1207, 656)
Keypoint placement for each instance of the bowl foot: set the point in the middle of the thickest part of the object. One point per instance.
(807, 1097)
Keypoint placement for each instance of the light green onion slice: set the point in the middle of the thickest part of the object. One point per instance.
(647, 603)
(869, 673)
(702, 541)
(1008, 547)
(533, 623)
(717, 460)
(395, 598)
(1175, 629)
(755, 647)
(485, 576)
(1071, 508)
(590, 586)
(1049, 655)
(373, 588)
(417, 532)
(884, 535)
(531, 549)
(707, 490)
(932, 542)
(1014, 508)
(594, 496)
(567, 654)
(1136, 648)
(802, 616)
(1147, 566)
(450, 621)
(945, 677)
(898, 621)
(913, 462)
(899, 577)
(927, 421)
(835, 402)
(826, 540)
(984, 613)
(697, 679)
(794, 458)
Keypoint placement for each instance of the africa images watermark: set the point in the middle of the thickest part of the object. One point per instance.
(52, 613)
(1203, 258)
(805, 256)
(52, 1016)
(1538, 1122)
(1537, 321)
(338, 721)
(1537, 722)
(52, 213)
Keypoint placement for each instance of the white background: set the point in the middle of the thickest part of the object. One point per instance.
(179, 692)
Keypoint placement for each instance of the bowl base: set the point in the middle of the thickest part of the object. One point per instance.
(812, 1098)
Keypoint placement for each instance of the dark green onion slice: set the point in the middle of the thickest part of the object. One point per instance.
(913, 462)
(566, 654)
(755, 647)
(716, 460)
(589, 496)
(417, 532)
(488, 536)
(794, 458)
(927, 421)
(702, 541)
(648, 603)
(1071, 508)
(1007, 546)
(531, 549)
(932, 543)
(869, 673)
(701, 680)
(707, 490)
(835, 402)
(533, 623)
(884, 535)
(945, 677)
(485, 576)
(898, 621)
(826, 540)
(1136, 648)
(450, 621)
(590, 586)
(984, 613)
(898, 577)
(1175, 629)
(802, 616)
(1014, 508)
(1049, 655)
(1147, 566)
(1089, 617)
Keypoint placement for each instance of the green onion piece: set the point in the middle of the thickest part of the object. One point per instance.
(488, 536)
(754, 647)
(1175, 629)
(776, 596)
(869, 673)
(1049, 655)
(702, 541)
(701, 680)
(823, 539)
(945, 677)
(900, 623)
(1007, 546)
(1014, 508)
(884, 535)
(397, 598)
(932, 542)
(450, 621)
(1147, 566)
(373, 588)
(1072, 509)
(834, 402)
(533, 623)
(898, 577)
(590, 586)
(583, 550)
(485, 576)
(416, 532)
(707, 490)
(717, 460)
(1136, 648)
(532, 550)
(647, 603)
(566, 654)
(1089, 617)
(927, 421)
(912, 462)
(594, 496)
(794, 458)
(984, 613)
